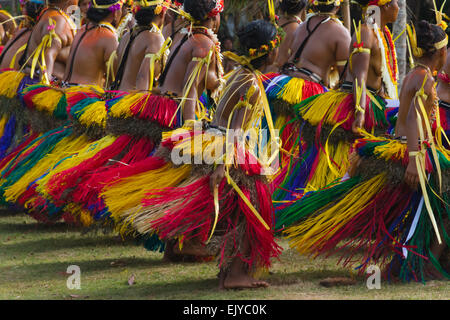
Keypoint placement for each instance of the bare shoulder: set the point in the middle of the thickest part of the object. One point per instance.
(367, 36)
(416, 81)
(202, 45)
(341, 31)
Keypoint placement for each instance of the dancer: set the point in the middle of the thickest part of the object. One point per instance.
(443, 92)
(139, 45)
(50, 40)
(319, 44)
(291, 17)
(31, 10)
(127, 21)
(214, 207)
(175, 23)
(14, 123)
(137, 120)
(332, 120)
(395, 203)
(81, 96)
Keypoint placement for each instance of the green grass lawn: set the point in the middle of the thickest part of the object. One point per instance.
(34, 259)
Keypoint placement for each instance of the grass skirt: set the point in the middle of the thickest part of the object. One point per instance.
(135, 123)
(283, 93)
(325, 123)
(374, 212)
(14, 120)
(176, 202)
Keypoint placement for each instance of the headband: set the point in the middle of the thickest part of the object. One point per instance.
(117, 5)
(160, 5)
(255, 53)
(327, 2)
(416, 50)
(218, 9)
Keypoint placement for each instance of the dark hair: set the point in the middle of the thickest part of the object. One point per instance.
(145, 16)
(199, 9)
(33, 9)
(427, 35)
(97, 15)
(362, 3)
(253, 36)
(325, 8)
(292, 6)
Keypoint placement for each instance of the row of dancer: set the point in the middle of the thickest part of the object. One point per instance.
(102, 144)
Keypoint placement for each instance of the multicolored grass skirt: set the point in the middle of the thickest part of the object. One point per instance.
(325, 121)
(22, 175)
(283, 93)
(14, 118)
(174, 200)
(134, 124)
(374, 217)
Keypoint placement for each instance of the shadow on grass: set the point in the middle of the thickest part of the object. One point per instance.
(282, 279)
(38, 227)
(178, 289)
(55, 270)
(10, 212)
(53, 244)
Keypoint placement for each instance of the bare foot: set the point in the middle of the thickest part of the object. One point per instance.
(431, 273)
(190, 248)
(169, 254)
(338, 281)
(243, 281)
(392, 271)
(222, 275)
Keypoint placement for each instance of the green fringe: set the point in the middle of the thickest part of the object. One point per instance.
(44, 147)
(312, 202)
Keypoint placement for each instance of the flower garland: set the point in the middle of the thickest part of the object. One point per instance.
(124, 23)
(389, 67)
(264, 49)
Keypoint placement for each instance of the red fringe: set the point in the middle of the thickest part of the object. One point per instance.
(17, 150)
(368, 229)
(193, 217)
(159, 109)
(70, 178)
(88, 192)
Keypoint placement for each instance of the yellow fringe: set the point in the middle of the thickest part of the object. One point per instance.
(140, 219)
(323, 108)
(324, 175)
(47, 100)
(94, 114)
(128, 193)
(86, 152)
(122, 108)
(65, 147)
(9, 82)
(292, 92)
(317, 230)
(3, 122)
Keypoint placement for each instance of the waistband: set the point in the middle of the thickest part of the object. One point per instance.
(443, 104)
(293, 68)
(348, 86)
